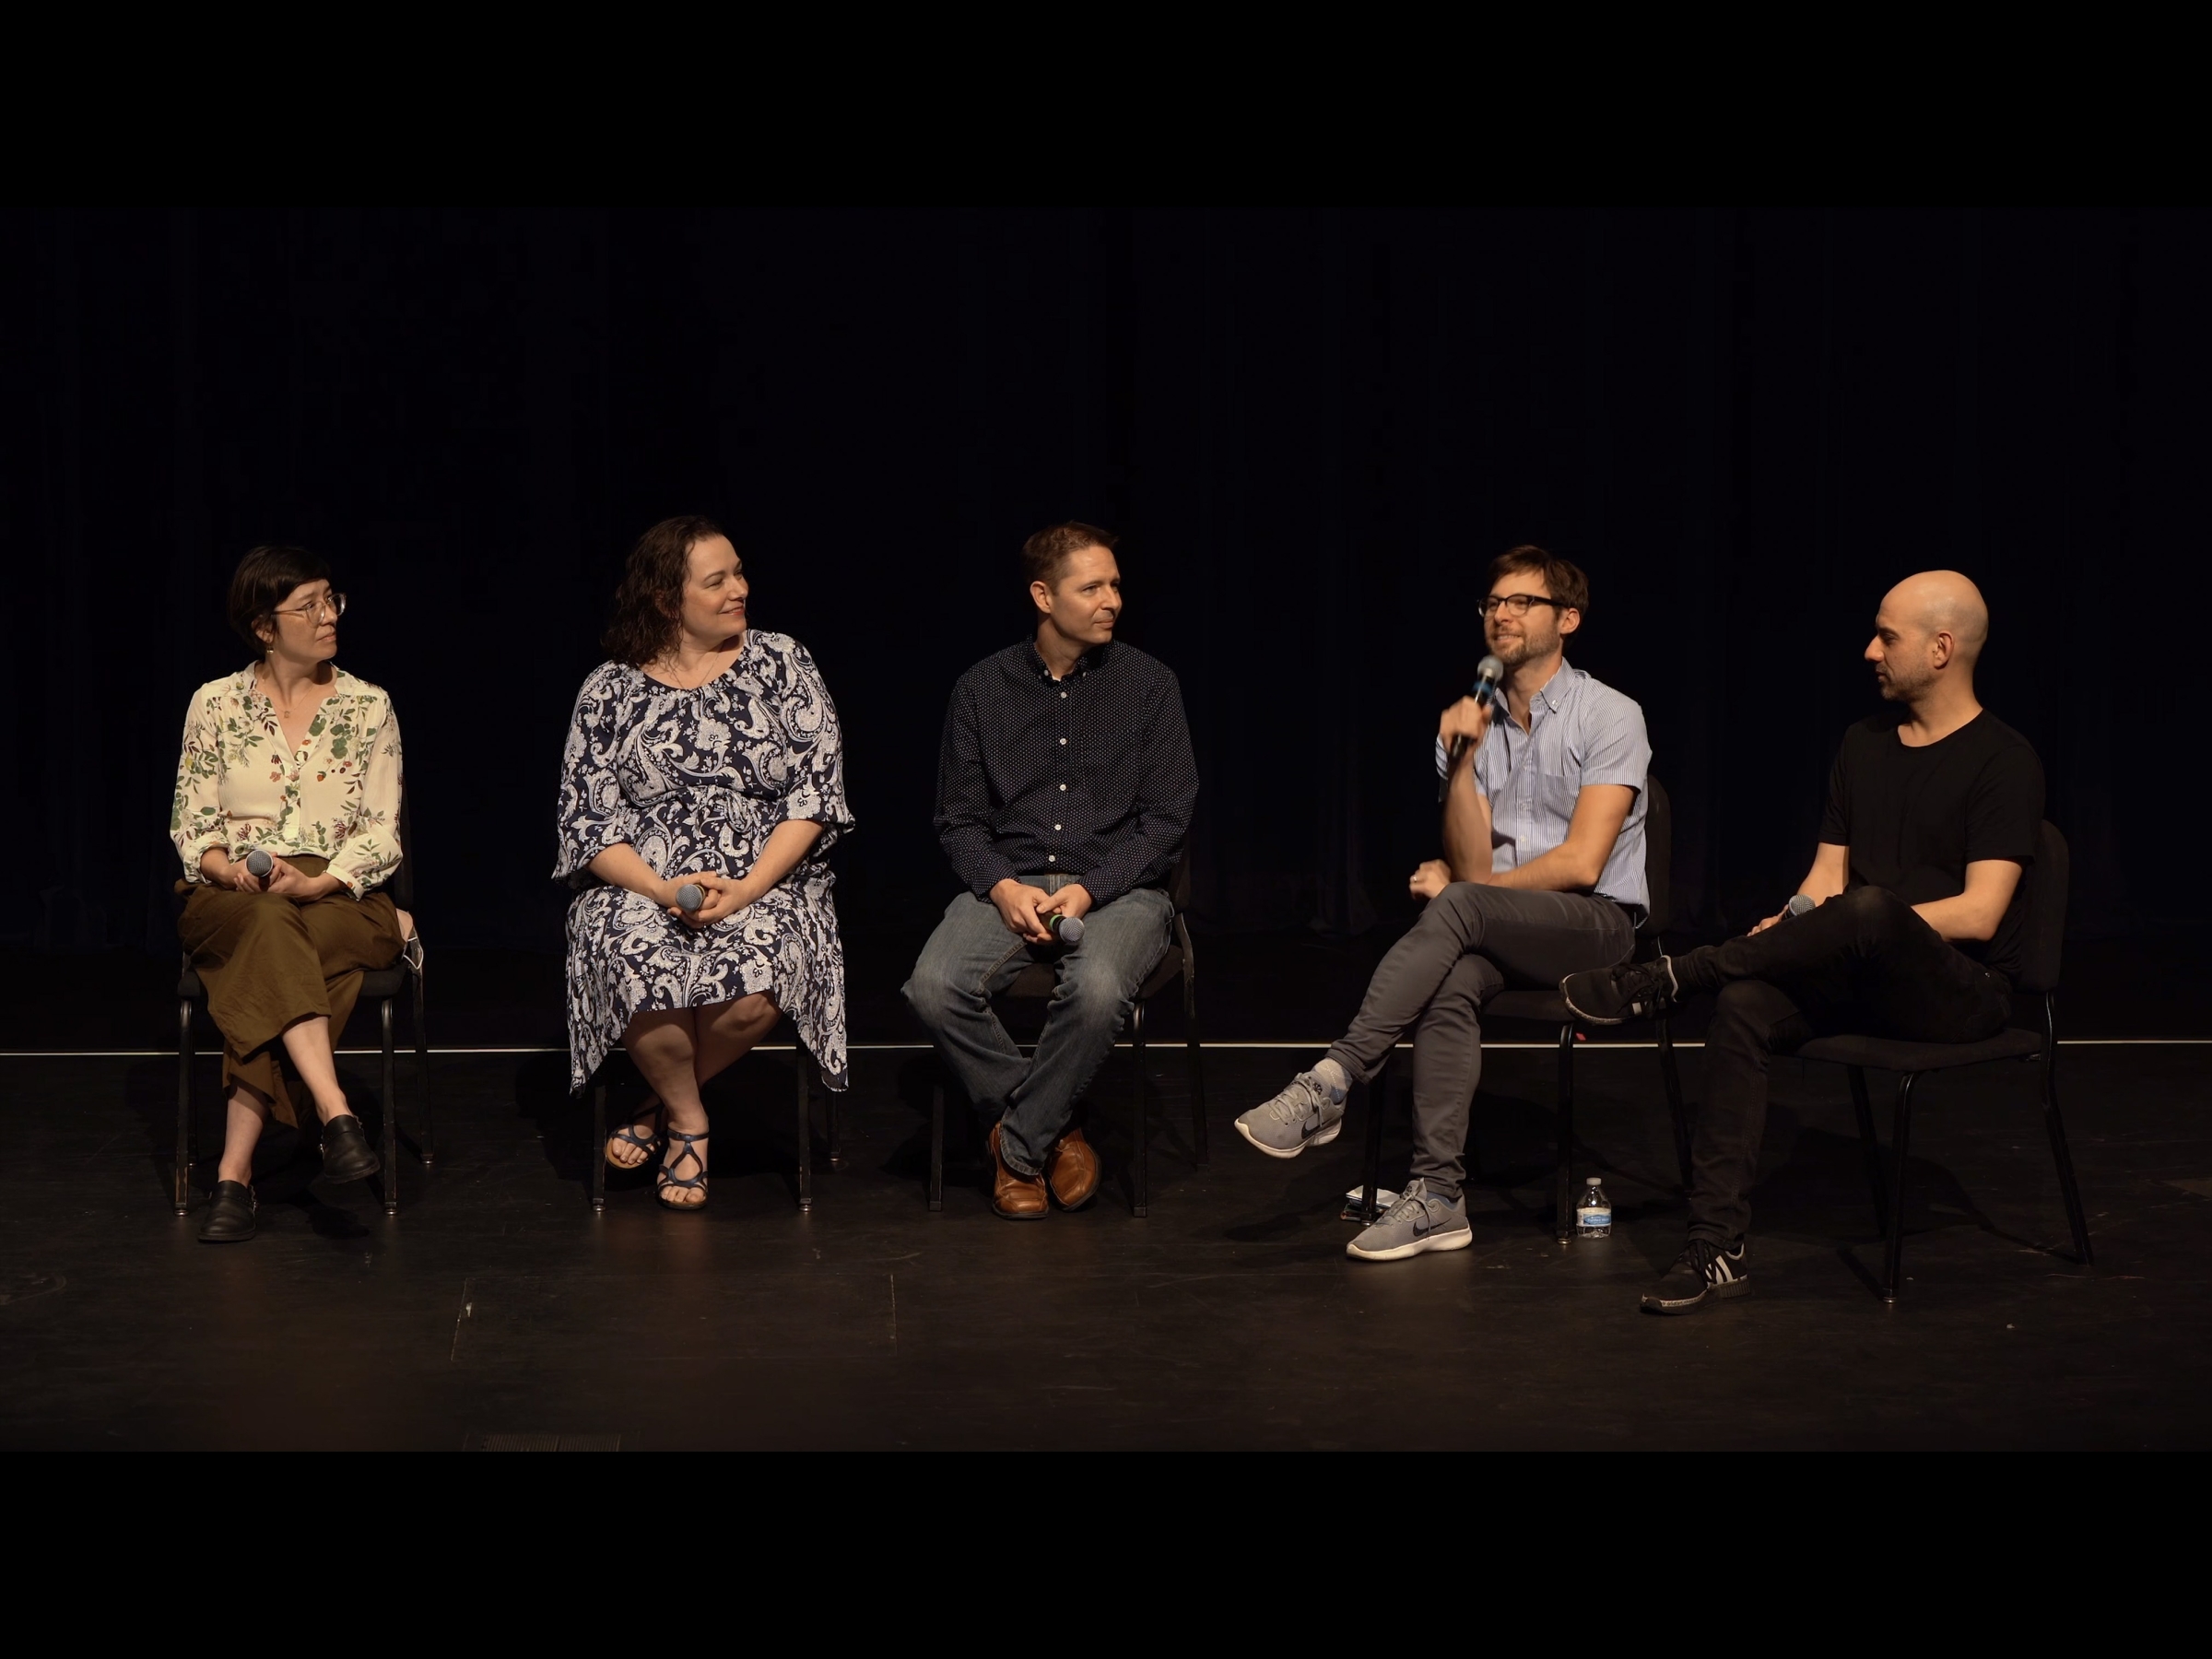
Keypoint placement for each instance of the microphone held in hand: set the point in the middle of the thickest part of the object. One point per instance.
(1487, 674)
(1066, 929)
(690, 896)
(259, 864)
(1799, 905)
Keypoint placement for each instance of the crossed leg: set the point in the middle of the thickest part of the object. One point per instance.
(246, 1114)
(677, 1051)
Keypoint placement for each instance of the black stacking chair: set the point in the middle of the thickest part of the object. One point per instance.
(1547, 1007)
(1037, 983)
(383, 986)
(2045, 928)
(807, 1074)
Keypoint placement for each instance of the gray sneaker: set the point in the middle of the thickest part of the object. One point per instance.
(1417, 1222)
(1308, 1113)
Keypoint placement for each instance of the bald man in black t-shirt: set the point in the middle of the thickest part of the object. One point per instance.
(1934, 808)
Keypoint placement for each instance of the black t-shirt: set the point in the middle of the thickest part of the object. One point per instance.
(1915, 817)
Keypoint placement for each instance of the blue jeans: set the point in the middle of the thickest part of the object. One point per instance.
(971, 955)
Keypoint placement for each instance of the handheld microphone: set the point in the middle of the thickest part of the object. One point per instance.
(1488, 672)
(690, 896)
(1799, 905)
(259, 864)
(1067, 929)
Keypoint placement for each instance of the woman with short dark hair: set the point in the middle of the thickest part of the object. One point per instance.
(287, 816)
(705, 753)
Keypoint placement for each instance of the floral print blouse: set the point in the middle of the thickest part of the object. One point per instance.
(240, 784)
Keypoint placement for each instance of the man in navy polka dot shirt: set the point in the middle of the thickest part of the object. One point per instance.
(1065, 789)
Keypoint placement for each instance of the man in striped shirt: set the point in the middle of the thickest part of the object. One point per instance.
(1542, 876)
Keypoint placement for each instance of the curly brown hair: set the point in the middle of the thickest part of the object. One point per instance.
(651, 599)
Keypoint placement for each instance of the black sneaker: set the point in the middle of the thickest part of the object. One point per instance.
(1632, 991)
(1702, 1269)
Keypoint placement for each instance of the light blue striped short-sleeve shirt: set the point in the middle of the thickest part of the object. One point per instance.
(1581, 732)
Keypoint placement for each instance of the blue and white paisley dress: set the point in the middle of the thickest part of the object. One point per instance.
(698, 780)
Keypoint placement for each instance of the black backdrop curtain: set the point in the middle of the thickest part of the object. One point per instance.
(1312, 430)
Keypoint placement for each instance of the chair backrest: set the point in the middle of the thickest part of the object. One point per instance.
(1658, 857)
(2043, 924)
(402, 885)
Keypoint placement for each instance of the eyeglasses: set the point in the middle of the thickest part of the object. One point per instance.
(333, 602)
(1516, 605)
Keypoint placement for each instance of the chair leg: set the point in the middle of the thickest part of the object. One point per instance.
(597, 1153)
(936, 1143)
(1378, 1105)
(1197, 1062)
(390, 1135)
(1563, 1195)
(1877, 1183)
(2076, 1218)
(1139, 1114)
(798, 1071)
(184, 1125)
(1901, 1141)
(833, 1125)
(1670, 1075)
(424, 1143)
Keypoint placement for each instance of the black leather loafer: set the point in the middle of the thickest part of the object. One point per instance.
(230, 1216)
(346, 1154)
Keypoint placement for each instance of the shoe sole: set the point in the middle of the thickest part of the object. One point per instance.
(1321, 1138)
(1457, 1239)
(233, 1238)
(376, 1167)
(1585, 1015)
(1653, 1304)
(1019, 1215)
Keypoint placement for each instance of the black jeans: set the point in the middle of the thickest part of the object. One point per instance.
(1862, 962)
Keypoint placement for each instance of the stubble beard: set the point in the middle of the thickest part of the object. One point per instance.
(1896, 688)
(1513, 652)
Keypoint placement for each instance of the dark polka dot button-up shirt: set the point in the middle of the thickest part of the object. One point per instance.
(1089, 776)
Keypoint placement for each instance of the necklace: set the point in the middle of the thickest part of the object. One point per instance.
(681, 678)
(284, 705)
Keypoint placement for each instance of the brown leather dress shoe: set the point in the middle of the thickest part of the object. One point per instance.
(1017, 1197)
(1071, 1171)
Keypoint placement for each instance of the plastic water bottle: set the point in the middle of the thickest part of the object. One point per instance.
(1593, 1213)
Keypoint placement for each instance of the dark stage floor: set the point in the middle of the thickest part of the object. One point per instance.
(496, 1305)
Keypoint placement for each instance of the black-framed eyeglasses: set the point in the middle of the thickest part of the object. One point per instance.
(1516, 605)
(312, 610)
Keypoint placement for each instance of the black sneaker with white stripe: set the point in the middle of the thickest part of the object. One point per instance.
(1630, 991)
(1704, 1269)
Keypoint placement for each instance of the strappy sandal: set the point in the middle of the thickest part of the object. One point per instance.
(650, 1144)
(662, 1180)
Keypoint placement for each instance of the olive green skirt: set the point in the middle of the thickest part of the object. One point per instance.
(268, 962)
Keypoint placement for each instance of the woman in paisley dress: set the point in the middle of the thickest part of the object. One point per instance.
(706, 752)
(296, 760)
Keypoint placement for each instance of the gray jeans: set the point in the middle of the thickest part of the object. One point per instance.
(971, 956)
(1471, 943)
